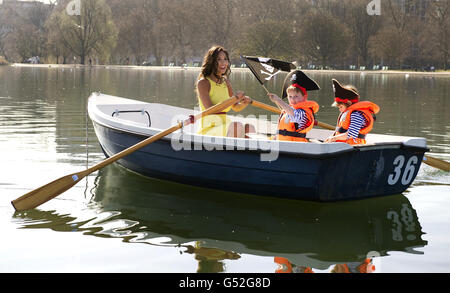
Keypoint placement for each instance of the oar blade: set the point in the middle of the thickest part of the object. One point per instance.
(51, 190)
(437, 163)
(45, 193)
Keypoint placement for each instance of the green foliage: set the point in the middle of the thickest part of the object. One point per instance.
(269, 38)
(91, 32)
(324, 39)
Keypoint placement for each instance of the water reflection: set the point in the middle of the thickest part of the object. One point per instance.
(224, 225)
(359, 267)
(210, 260)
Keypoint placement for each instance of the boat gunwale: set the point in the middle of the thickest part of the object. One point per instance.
(97, 113)
(322, 156)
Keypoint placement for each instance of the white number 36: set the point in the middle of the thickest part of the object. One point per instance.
(408, 172)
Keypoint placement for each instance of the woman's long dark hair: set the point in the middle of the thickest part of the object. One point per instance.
(209, 65)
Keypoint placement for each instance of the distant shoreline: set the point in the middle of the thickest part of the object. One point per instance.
(403, 72)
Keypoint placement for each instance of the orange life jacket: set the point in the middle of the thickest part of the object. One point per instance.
(368, 109)
(289, 131)
(284, 266)
(365, 267)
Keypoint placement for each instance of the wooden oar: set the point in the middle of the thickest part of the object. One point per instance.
(431, 161)
(265, 106)
(436, 163)
(45, 193)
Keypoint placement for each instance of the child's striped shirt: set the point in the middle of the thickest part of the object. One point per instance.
(299, 117)
(357, 121)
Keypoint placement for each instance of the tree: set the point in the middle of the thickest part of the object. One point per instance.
(324, 38)
(182, 30)
(392, 42)
(133, 26)
(139, 23)
(440, 16)
(420, 49)
(93, 31)
(55, 47)
(5, 30)
(362, 27)
(389, 46)
(326, 32)
(31, 37)
(268, 38)
(24, 29)
(221, 22)
(269, 28)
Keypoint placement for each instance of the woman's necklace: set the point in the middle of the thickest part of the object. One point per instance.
(217, 79)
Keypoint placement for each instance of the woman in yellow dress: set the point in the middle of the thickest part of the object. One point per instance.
(213, 87)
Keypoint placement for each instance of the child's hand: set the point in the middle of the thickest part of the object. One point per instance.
(274, 98)
(330, 139)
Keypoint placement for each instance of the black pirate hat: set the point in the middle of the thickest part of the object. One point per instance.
(343, 94)
(299, 79)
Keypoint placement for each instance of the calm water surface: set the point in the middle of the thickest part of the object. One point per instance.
(118, 221)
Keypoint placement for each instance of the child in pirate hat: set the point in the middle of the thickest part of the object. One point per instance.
(297, 117)
(356, 118)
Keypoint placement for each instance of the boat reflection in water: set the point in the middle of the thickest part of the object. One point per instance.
(363, 267)
(223, 225)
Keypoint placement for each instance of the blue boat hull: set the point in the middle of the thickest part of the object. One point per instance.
(351, 174)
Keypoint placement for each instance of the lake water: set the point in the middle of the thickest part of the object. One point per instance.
(117, 221)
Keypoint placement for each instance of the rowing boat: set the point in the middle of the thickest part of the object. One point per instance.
(314, 171)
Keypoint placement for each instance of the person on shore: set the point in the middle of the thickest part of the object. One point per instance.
(297, 117)
(356, 118)
(213, 87)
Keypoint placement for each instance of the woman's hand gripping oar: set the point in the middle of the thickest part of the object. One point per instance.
(431, 161)
(45, 193)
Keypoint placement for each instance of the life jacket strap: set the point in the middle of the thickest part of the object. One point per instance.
(343, 130)
(284, 132)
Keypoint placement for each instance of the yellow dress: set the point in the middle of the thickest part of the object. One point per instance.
(215, 125)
